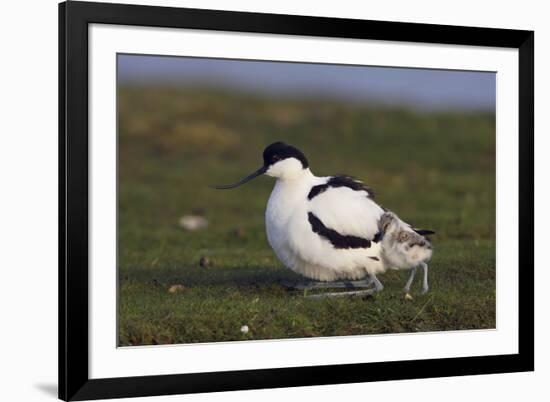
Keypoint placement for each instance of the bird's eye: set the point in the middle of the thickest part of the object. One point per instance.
(275, 158)
(403, 236)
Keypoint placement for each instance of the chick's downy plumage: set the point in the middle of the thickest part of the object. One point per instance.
(402, 247)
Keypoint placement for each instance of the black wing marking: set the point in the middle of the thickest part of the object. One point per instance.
(424, 232)
(336, 239)
(316, 190)
(340, 181)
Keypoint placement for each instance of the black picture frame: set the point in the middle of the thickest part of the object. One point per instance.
(74, 381)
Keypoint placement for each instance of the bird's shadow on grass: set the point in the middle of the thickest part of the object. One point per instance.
(212, 276)
(48, 389)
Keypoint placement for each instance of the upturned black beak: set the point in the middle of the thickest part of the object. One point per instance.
(257, 173)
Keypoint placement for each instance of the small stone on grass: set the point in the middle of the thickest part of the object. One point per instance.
(239, 233)
(176, 288)
(193, 223)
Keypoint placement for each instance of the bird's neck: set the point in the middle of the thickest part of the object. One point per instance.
(296, 177)
(288, 192)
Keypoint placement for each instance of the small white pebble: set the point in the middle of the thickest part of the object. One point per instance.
(244, 329)
(408, 296)
(176, 288)
(193, 222)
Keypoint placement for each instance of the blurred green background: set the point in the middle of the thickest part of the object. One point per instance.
(435, 168)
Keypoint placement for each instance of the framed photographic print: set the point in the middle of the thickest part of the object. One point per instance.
(257, 200)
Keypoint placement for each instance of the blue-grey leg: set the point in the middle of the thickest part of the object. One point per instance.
(372, 279)
(377, 284)
(425, 287)
(356, 293)
(410, 280)
(362, 284)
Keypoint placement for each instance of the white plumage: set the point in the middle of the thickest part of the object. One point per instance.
(341, 209)
(330, 228)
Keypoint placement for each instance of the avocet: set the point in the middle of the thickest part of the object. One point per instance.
(331, 230)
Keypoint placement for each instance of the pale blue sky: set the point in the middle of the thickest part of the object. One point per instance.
(417, 88)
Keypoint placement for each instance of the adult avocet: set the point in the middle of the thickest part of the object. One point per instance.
(331, 230)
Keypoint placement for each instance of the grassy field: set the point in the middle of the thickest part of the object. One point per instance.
(436, 170)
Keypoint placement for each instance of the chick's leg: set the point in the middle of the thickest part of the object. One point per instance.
(425, 287)
(410, 280)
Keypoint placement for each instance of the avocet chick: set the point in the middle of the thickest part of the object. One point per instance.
(403, 247)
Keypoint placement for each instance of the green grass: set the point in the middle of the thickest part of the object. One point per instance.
(436, 170)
